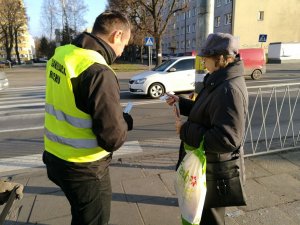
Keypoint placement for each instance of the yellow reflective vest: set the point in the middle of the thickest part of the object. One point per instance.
(68, 130)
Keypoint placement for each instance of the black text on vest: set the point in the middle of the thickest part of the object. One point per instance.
(59, 67)
(54, 77)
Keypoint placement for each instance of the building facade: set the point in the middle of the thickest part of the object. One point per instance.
(26, 46)
(244, 19)
(180, 35)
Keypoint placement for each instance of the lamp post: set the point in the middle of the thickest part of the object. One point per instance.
(184, 32)
(205, 16)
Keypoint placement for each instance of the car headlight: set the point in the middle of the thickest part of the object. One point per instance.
(140, 81)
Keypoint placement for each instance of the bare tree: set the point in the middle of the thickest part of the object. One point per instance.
(151, 16)
(75, 10)
(50, 17)
(13, 20)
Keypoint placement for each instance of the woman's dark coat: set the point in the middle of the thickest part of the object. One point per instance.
(218, 115)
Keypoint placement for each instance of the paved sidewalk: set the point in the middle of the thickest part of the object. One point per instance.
(143, 193)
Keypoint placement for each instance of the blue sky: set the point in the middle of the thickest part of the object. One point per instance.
(33, 7)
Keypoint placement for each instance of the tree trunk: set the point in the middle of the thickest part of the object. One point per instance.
(8, 44)
(141, 54)
(17, 46)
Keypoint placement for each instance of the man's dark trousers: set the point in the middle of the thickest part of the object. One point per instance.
(90, 199)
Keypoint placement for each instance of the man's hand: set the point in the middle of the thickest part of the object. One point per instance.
(7, 187)
(129, 120)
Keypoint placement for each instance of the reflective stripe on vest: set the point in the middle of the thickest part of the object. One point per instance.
(76, 143)
(68, 130)
(60, 115)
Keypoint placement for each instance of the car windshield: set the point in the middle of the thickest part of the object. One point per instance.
(164, 65)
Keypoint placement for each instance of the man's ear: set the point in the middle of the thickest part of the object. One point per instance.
(116, 36)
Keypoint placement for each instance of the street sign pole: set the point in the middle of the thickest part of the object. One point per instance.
(149, 42)
(149, 53)
(150, 57)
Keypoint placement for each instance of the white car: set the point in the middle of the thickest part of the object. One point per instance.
(175, 74)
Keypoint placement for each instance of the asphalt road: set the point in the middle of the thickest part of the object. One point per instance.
(21, 108)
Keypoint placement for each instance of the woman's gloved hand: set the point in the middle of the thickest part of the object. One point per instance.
(7, 187)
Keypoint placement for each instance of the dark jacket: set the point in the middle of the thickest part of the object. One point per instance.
(218, 114)
(97, 93)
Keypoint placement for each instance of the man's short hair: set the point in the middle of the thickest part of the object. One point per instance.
(109, 21)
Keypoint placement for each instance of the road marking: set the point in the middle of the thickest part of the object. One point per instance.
(123, 104)
(27, 88)
(21, 162)
(35, 160)
(42, 98)
(22, 129)
(23, 111)
(270, 81)
(22, 105)
(32, 100)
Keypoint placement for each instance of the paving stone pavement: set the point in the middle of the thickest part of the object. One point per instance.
(143, 193)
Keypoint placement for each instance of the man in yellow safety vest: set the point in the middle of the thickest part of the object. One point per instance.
(84, 122)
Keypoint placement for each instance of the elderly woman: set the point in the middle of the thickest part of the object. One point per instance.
(218, 115)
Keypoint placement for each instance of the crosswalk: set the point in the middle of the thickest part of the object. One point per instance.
(22, 109)
(152, 146)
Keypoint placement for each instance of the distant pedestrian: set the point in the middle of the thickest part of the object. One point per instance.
(218, 115)
(84, 122)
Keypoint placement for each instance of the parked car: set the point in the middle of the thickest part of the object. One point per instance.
(165, 57)
(254, 62)
(175, 74)
(5, 64)
(39, 60)
(3, 81)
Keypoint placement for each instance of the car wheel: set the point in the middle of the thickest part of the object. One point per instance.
(256, 74)
(156, 90)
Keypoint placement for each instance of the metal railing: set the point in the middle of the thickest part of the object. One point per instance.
(273, 120)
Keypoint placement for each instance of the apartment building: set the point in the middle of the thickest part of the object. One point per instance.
(244, 19)
(26, 46)
(180, 35)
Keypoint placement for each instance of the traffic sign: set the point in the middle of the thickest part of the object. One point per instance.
(262, 38)
(149, 41)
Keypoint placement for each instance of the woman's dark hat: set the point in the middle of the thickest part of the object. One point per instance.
(219, 44)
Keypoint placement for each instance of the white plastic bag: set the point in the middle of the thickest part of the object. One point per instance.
(190, 185)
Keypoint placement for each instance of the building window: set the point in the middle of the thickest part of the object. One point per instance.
(194, 27)
(217, 21)
(188, 29)
(193, 43)
(174, 26)
(188, 15)
(218, 3)
(227, 18)
(182, 30)
(228, 1)
(261, 15)
(188, 44)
